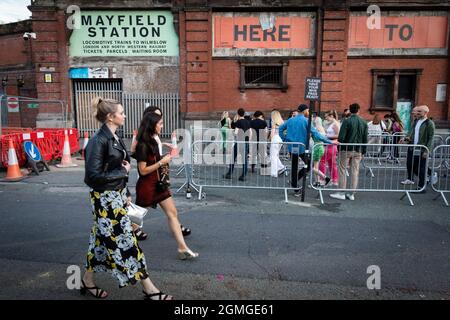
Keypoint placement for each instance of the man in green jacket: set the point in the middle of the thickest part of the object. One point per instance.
(422, 133)
(353, 130)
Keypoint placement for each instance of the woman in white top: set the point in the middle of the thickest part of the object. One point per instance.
(329, 159)
(276, 167)
(376, 127)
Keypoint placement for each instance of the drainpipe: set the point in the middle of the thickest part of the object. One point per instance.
(319, 46)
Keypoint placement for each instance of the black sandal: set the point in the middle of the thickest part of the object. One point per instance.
(159, 296)
(140, 235)
(98, 292)
(185, 231)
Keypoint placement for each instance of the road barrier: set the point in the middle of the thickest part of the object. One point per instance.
(441, 173)
(241, 165)
(374, 174)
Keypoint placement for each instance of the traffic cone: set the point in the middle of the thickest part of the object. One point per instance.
(13, 173)
(133, 142)
(66, 160)
(85, 142)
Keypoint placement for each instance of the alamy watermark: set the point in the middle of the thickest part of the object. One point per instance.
(374, 280)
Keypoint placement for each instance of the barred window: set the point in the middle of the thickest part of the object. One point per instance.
(263, 76)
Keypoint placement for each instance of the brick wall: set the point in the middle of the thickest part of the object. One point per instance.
(358, 75)
(226, 94)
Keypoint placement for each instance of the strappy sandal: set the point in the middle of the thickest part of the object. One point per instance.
(185, 231)
(140, 235)
(157, 296)
(98, 292)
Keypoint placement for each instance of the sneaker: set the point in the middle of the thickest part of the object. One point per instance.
(350, 196)
(242, 178)
(297, 192)
(227, 176)
(327, 181)
(407, 181)
(338, 195)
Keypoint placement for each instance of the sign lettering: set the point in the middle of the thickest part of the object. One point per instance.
(312, 89)
(248, 32)
(125, 33)
(410, 32)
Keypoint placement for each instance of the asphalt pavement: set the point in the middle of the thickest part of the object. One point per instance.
(252, 245)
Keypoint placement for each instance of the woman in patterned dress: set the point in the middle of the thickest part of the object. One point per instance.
(112, 245)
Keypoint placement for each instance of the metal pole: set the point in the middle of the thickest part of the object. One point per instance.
(307, 151)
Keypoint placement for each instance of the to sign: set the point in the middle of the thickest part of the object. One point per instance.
(312, 89)
(13, 104)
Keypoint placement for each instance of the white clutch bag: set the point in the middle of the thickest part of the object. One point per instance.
(136, 214)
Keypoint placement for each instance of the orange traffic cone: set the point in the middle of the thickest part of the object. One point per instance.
(133, 142)
(13, 173)
(66, 160)
(85, 142)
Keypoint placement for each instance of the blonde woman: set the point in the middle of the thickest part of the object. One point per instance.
(276, 167)
(225, 126)
(112, 245)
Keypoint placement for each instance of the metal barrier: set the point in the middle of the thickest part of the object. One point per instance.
(447, 141)
(384, 176)
(243, 165)
(442, 172)
(33, 105)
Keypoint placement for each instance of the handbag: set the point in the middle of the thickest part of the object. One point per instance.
(163, 183)
(136, 214)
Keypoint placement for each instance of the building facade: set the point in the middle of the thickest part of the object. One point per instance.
(221, 55)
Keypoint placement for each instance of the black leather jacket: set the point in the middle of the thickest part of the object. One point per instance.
(103, 166)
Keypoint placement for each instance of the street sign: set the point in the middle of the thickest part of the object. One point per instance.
(32, 151)
(313, 89)
(35, 160)
(13, 104)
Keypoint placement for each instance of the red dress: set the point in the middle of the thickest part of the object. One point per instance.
(146, 193)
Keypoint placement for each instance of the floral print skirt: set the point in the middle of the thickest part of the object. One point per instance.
(112, 245)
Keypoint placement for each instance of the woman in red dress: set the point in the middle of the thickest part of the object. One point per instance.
(150, 162)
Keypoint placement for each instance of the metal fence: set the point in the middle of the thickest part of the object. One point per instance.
(26, 111)
(441, 172)
(347, 170)
(135, 104)
(242, 164)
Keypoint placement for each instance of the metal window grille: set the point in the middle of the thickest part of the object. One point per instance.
(263, 75)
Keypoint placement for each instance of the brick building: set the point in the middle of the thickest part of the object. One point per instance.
(220, 55)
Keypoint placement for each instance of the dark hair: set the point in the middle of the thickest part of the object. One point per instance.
(104, 107)
(147, 129)
(241, 112)
(354, 108)
(151, 109)
(258, 114)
